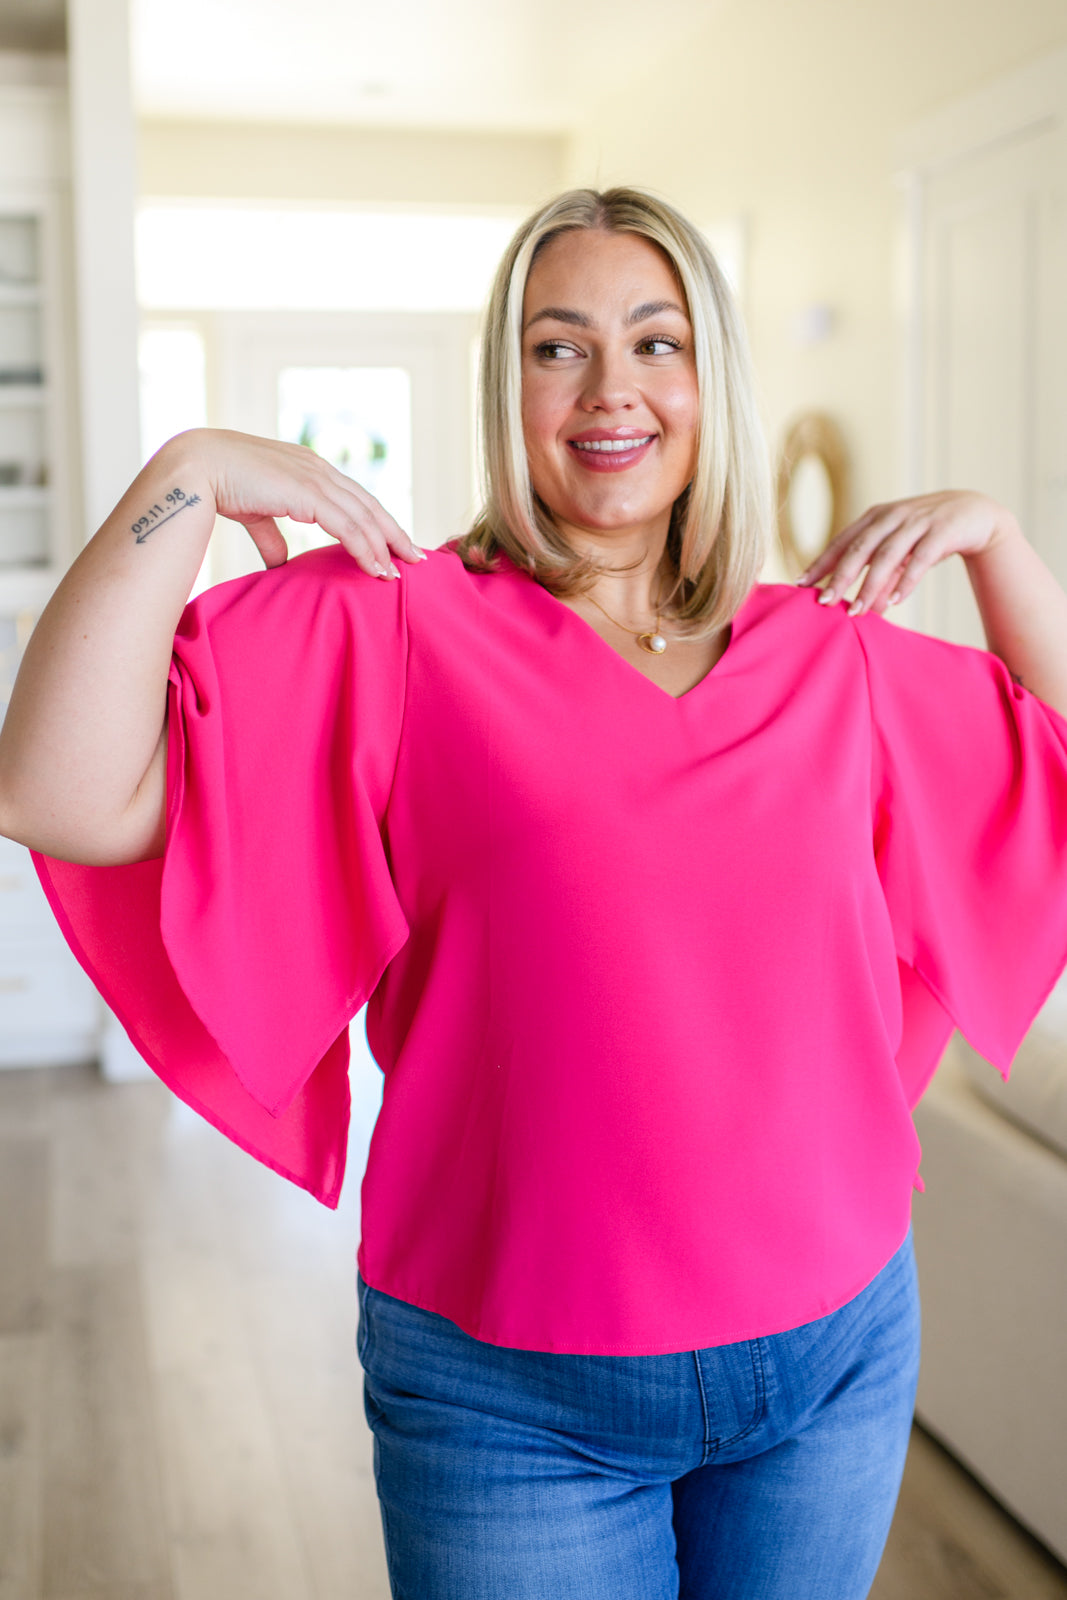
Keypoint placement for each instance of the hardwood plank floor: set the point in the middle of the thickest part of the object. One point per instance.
(21, 1430)
(102, 1509)
(950, 1540)
(180, 1401)
(23, 1228)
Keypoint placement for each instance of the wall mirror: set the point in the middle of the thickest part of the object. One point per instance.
(813, 489)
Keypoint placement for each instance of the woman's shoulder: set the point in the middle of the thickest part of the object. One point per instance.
(795, 610)
(331, 567)
(303, 585)
(303, 610)
(325, 593)
(793, 634)
(800, 608)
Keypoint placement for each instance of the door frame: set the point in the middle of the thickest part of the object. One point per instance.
(1018, 107)
(435, 347)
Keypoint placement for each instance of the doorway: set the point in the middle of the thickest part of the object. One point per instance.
(388, 397)
(987, 189)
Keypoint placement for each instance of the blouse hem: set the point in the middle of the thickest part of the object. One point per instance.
(643, 1348)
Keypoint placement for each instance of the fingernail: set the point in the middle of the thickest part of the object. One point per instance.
(803, 578)
(856, 607)
(379, 570)
(420, 555)
(393, 573)
(894, 597)
(826, 597)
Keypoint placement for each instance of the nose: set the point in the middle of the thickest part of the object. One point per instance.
(609, 384)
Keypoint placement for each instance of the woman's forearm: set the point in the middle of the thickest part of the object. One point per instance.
(1024, 613)
(81, 758)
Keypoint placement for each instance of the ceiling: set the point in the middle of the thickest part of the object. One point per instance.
(522, 65)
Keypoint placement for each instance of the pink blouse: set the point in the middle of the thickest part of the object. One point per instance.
(653, 982)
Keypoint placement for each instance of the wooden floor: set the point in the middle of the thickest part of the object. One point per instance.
(180, 1403)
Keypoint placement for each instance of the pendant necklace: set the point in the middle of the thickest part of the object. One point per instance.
(651, 640)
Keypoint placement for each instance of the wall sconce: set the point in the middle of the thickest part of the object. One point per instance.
(813, 325)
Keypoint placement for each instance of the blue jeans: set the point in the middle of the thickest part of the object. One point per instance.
(763, 1470)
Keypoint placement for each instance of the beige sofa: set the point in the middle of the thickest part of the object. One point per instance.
(991, 1244)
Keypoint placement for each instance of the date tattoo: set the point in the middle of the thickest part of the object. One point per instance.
(156, 515)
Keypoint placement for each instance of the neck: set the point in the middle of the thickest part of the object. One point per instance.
(634, 592)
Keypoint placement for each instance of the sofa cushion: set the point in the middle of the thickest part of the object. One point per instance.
(1035, 1095)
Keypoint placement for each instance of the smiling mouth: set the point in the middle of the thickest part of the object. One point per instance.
(612, 455)
(611, 446)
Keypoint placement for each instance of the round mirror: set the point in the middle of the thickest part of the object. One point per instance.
(811, 505)
(812, 489)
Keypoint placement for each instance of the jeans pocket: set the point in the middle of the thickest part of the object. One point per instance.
(363, 1328)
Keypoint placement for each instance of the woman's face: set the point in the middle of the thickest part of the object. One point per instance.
(609, 385)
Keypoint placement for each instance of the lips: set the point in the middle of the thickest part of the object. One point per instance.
(601, 451)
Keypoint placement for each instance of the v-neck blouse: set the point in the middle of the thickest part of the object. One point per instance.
(579, 618)
(653, 981)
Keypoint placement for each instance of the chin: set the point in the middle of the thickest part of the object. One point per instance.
(612, 519)
(614, 512)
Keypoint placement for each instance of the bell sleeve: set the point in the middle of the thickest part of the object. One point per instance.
(237, 959)
(969, 802)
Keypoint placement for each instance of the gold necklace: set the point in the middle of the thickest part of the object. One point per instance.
(651, 640)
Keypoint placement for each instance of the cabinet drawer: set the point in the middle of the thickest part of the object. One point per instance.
(23, 903)
(43, 989)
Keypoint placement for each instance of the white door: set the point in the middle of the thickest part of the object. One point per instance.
(993, 318)
(386, 396)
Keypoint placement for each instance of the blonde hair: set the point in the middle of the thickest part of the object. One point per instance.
(721, 524)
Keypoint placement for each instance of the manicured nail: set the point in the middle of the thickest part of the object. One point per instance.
(826, 597)
(894, 597)
(856, 607)
(393, 573)
(803, 578)
(420, 555)
(379, 570)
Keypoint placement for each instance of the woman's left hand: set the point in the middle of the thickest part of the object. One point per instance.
(900, 541)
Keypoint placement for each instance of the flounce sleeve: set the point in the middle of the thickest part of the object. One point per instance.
(236, 960)
(969, 797)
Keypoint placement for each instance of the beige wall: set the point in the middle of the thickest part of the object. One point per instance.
(788, 114)
(347, 165)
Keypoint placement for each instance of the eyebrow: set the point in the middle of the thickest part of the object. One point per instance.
(578, 319)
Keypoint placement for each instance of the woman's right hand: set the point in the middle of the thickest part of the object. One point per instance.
(254, 481)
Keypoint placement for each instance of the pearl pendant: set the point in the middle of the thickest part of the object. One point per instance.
(654, 643)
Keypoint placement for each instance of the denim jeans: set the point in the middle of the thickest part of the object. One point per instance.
(763, 1470)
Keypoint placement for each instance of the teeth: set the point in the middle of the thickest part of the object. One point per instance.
(615, 445)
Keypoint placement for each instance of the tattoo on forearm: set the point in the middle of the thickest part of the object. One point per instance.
(177, 500)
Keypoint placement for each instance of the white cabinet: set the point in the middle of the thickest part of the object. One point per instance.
(37, 515)
(26, 439)
(49, 1011)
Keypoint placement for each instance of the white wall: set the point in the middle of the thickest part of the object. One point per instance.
(789, 115)
(786, 115)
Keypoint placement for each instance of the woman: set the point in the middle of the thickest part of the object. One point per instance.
(665, 889)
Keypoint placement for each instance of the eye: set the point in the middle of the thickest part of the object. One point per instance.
(662, 341)
(554, 350)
